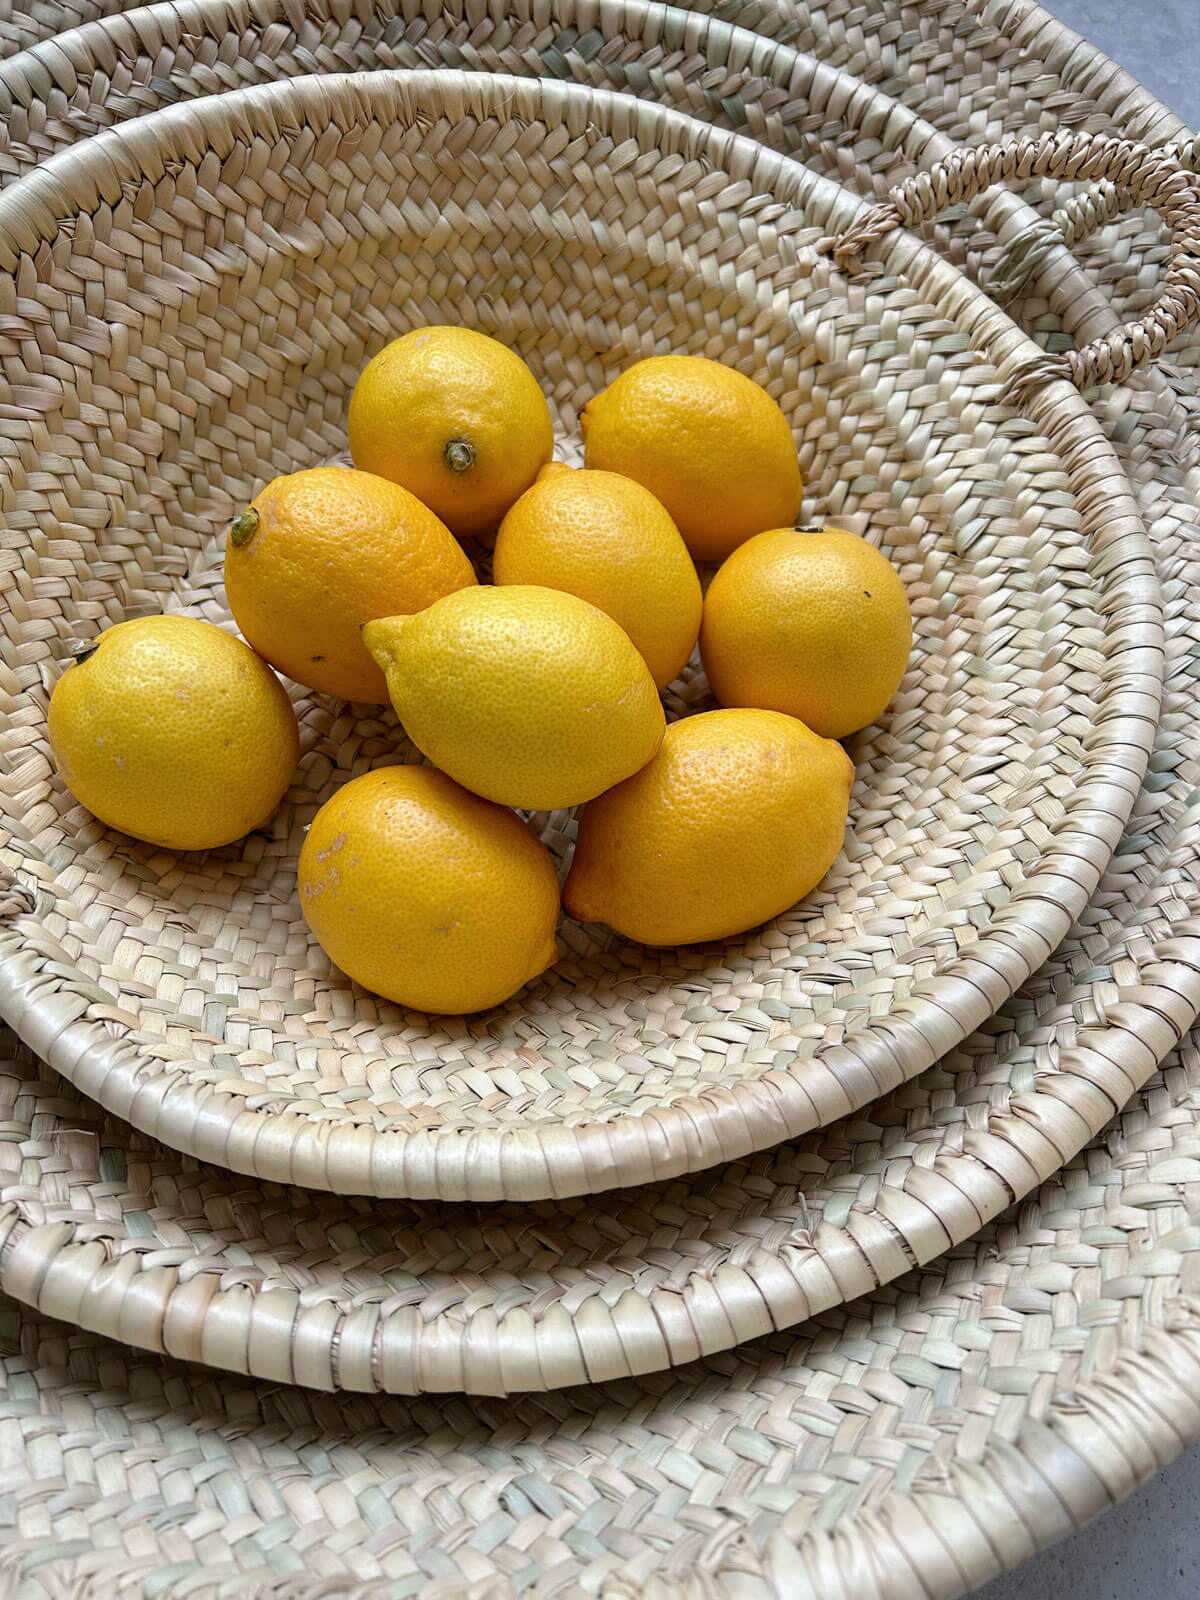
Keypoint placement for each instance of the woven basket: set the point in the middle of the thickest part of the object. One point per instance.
(187, 995)
(781, 1285)
(806, 1194)
(914, 1446)
(754, 1247)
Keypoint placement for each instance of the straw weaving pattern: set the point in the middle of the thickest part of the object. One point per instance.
(915, 1441)
(977, 68)
(800, 102)
(259, 273)
(922, 1439)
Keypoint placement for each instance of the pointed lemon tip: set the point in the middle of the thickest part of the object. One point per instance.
(588, 413)
(574, 904)
(380, 636)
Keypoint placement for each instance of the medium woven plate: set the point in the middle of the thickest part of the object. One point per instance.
(186, 994)
(109, 1230)
(657, 1275)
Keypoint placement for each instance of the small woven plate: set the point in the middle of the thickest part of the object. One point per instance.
(262, 244)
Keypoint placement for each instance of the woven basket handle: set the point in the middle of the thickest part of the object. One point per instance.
(1024, 256)
(1148, 177)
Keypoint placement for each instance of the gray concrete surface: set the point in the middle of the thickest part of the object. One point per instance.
(1147, 1548)
(1157, 40)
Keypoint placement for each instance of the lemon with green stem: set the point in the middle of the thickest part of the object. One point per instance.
(455, 417)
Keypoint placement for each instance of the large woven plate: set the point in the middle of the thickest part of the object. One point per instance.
(185, 994)
(1004, 1403)
(985, 807)
(913, 1444)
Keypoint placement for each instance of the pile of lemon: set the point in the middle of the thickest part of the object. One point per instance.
(537, 691)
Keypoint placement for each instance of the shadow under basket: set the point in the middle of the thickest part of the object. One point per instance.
(186, 303)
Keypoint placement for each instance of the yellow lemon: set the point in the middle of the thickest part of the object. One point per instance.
(739, 816)
(709, 442)
(174, 732)
(609, 541)
(455, 417)
(526, 695)
(814, 624)
(426, 894)
(320, 552)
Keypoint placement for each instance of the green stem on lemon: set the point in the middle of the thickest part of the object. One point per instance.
(243, 527)
(82, 649)
(460, 455)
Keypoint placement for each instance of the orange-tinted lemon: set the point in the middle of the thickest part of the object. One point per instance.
(739, 816)
(426, 894)
(319, 553)
(609, 541)
(709, 442)
(814, 624)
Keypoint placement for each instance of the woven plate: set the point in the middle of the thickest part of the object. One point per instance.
(185, 994)
(975, 68)
(122, 1235)
(782, 1281)
(685, 1270)
(1004, 1403)
(109, 1230)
